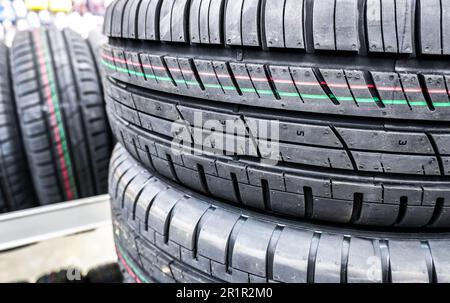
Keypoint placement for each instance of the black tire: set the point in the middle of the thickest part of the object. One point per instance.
(165, 233)
(335, 164)
(16, 189)
(62, 115)
(148, 124)
(357, 58)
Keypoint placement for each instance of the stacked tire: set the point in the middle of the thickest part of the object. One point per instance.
(16, 189)
(358, 188)
(61, 119)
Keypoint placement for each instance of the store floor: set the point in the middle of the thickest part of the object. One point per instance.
(78, 253)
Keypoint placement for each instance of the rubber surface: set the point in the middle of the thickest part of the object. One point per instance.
(375, 58)
(407, 27)
(16, 189)
(378, 87)
(61, 113)
(359, 90)
(167, 233)
(314, 178)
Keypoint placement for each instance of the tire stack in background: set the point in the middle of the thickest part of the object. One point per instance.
(56, 142)
(361, 188)
(16, 189)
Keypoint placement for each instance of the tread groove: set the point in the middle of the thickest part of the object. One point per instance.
(231, 242)
(402, 210)
(309, 202)
(271, 248)
(437, 213)
(385, 261)
(202, 177)
(266, 194)
(150, 204)
(312, 256)
(138, 196)
(437, 153)
(426, 94)
(357, 207)
(172, 167)
(432, 275)
(198, 229)
(237, 191)
(344, 259)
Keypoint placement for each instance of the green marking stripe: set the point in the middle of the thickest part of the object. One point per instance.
(281, 93)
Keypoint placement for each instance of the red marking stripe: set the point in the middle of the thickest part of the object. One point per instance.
(127, 267)
(281, 81)
(53, 119)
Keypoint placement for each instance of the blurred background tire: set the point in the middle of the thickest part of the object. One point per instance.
(16, 188)
(61, 112)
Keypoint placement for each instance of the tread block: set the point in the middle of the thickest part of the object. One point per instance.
(408, 270)
(142, 19)
(233, 22)
(445, 27)
(390, 34)
(190, 77)
(165, 21)
(153, 19)
(437, 89)
(163, 204)
(250, 23)
(117, 18)
(224, 78)
(323, 16)
(405, 10)
(364, 262)
(430, 27)
(128, 19)
(274, 23)
(204, 21)
(213, 238)
(151, 190)
(216, 21)
(194, 21)
(284, 85)
(308, 85)
(347, 20)
(441, 256)
(374, 26)
(390, 141)
(389, 88)
(416, 216)
(324, 209)
(133, 191)
(283, 203)
(180, 13)
(244, 81)
(108, 19)
(419, 165)
(184, 223)
(290, 261)
(293, 24)
(250, 248)
(328, 264)
(209, 77)
(315, 156)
